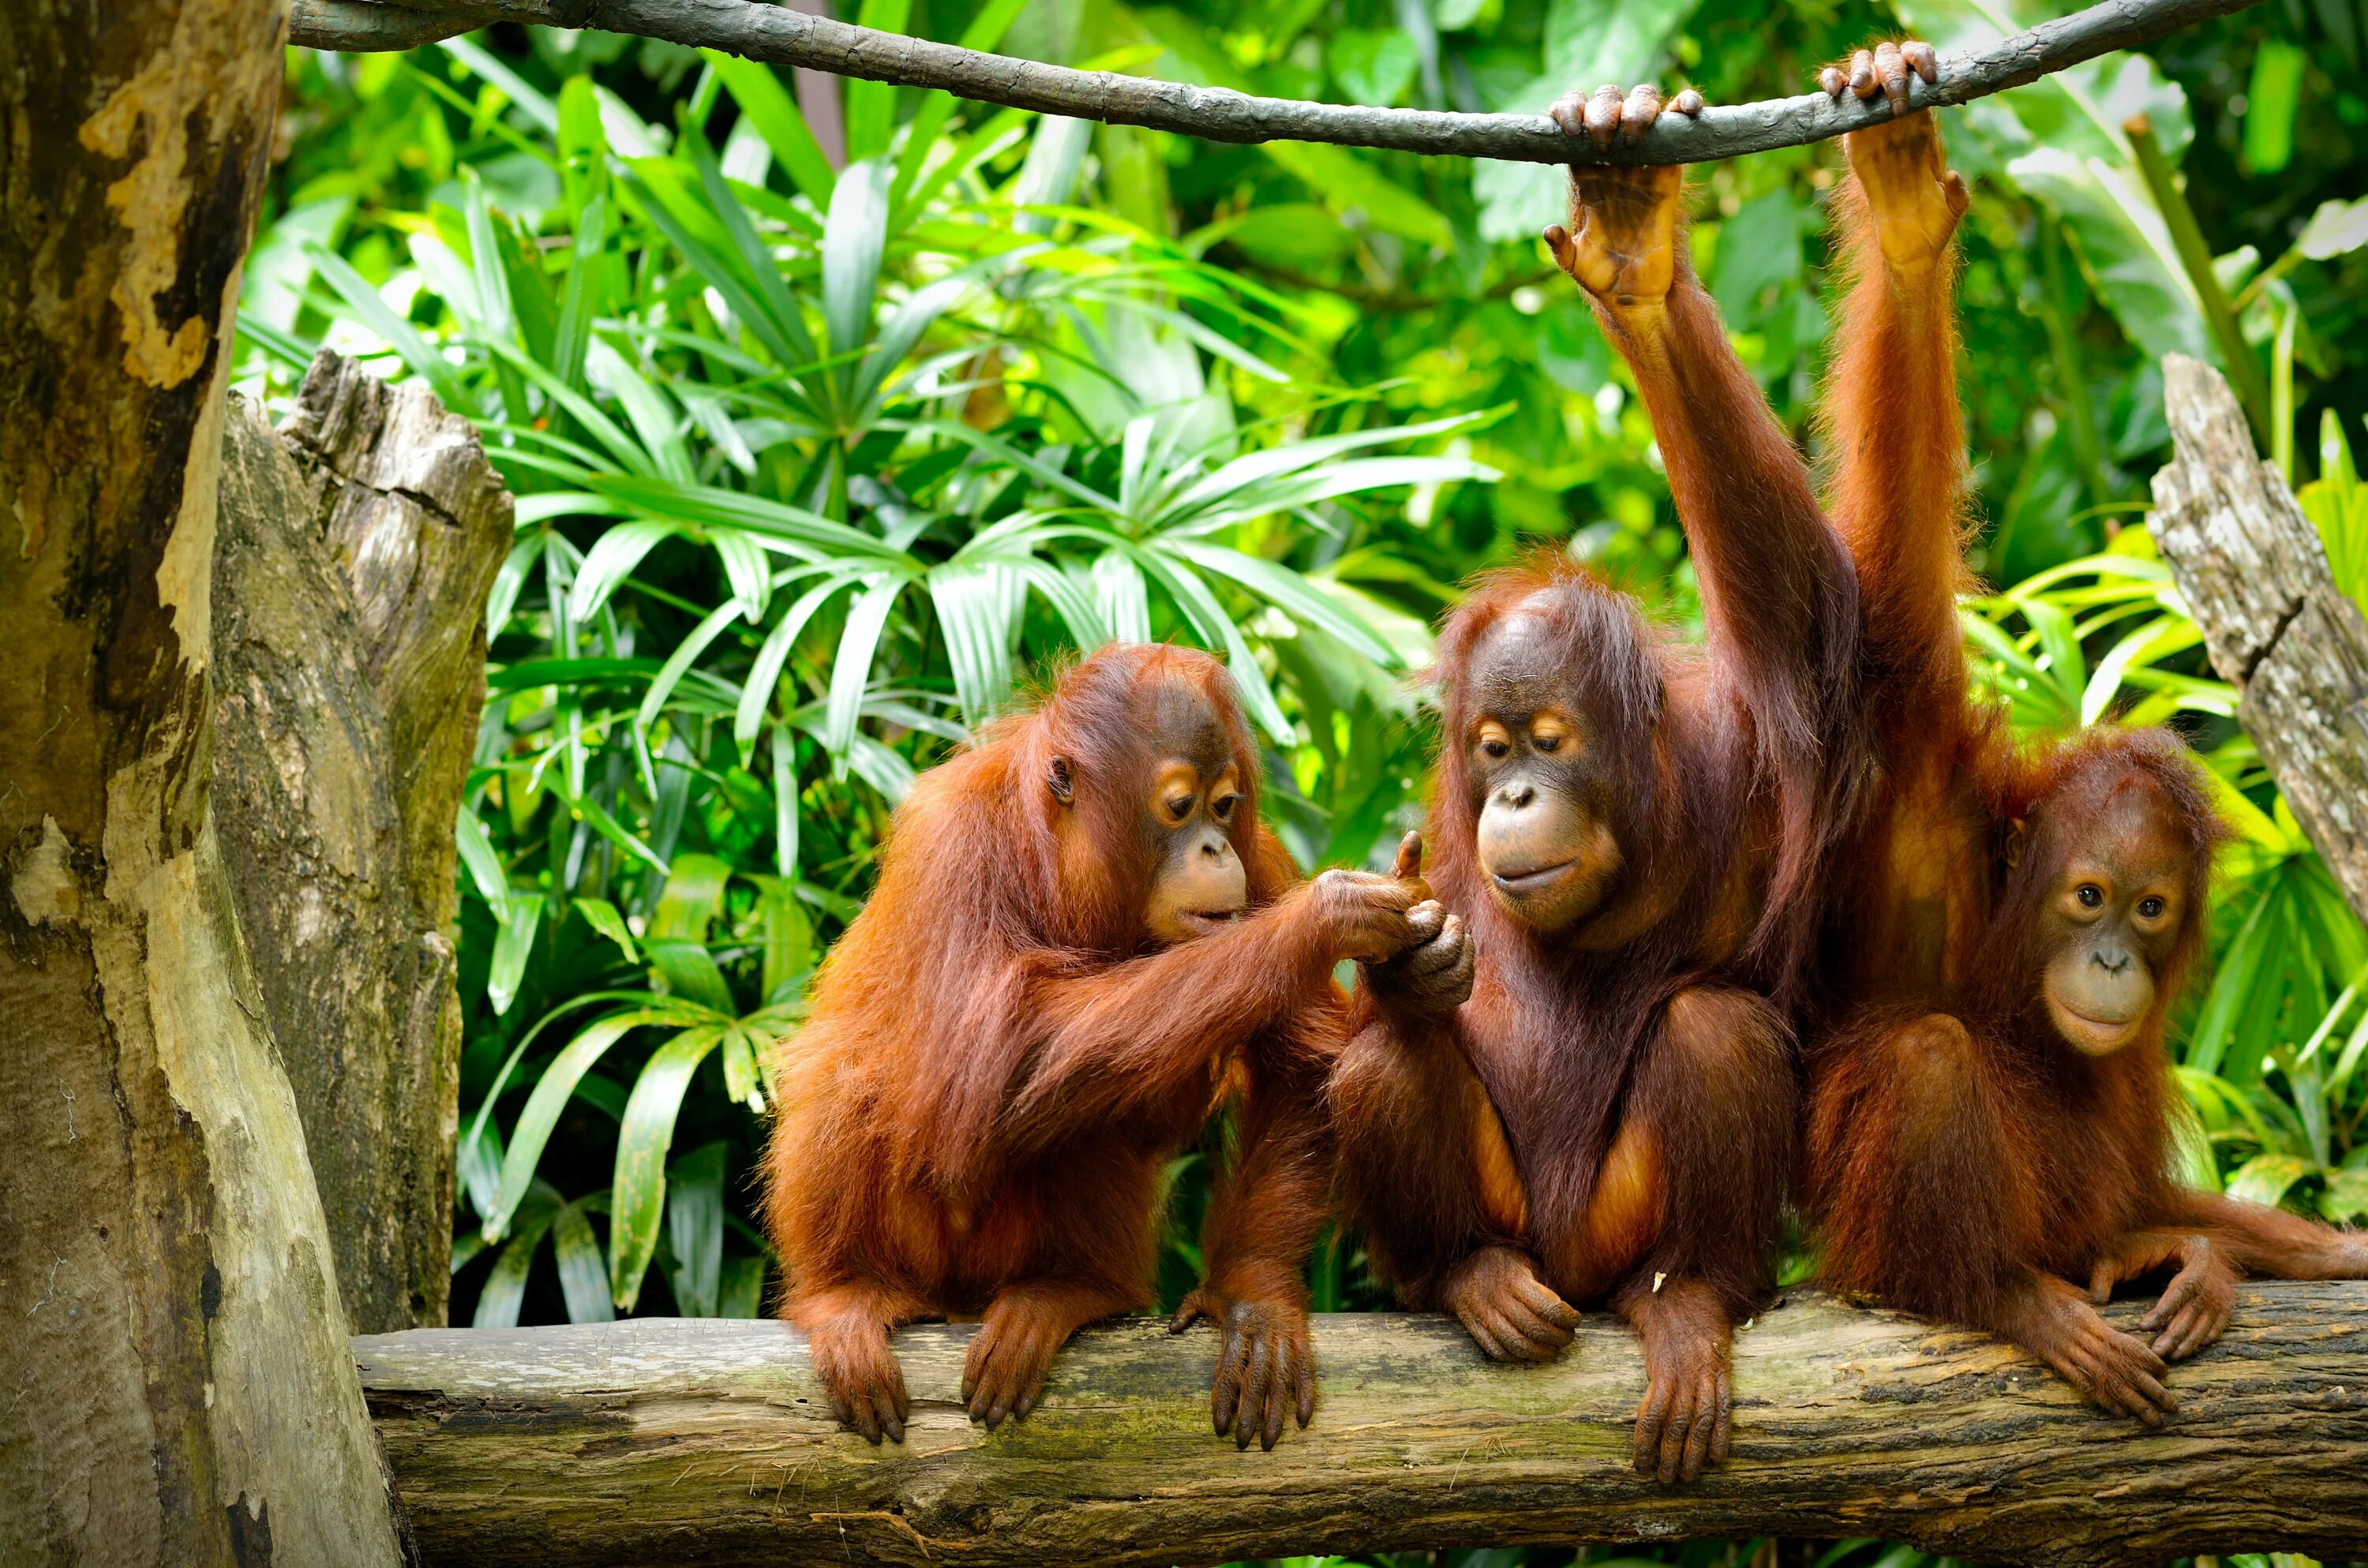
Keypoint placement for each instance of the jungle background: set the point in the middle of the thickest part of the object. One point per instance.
(839, 414)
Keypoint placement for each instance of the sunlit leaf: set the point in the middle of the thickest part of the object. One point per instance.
(637, 1195)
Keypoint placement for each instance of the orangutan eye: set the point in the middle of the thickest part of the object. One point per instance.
(2090, 895)
(1496, 747)
(2150, 908)
(1223, 807)
(1547, 743)
(1180, 807)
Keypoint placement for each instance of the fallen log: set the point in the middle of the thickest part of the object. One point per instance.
(709, 1442)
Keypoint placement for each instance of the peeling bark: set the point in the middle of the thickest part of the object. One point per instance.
(356, 550)
(174, 1370)
(2254, 572)
(710, 1442)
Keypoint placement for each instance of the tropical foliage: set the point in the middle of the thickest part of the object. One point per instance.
(837, 415)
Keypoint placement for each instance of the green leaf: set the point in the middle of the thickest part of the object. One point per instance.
(851, 672)
(576, 301)
(2124, 248)
(871, 106)
(789, 936)
(1372, 65)
(743, 1080)
(2265, 1178)
(611, 560)
(2270, 106)
(744, 1287)
(582, 1272)
(513, 942)
(693, 898)
(690, 970)
(775, 114)
(654, 418)
(400, 335)
(978, 605)
(602, 916)
(1346, 183)
(694, 1216)
(551, 1093)
(852, 240)
(637, 1195)
(2338, 228)
(764, 674)
(504, 1291)
(812, 534)
(684, 654)
(2345, 1199)
(485, 867)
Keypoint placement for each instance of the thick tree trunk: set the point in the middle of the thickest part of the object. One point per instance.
(2252, 568)
(174, 1368)
(709, 1442)
(354, 555)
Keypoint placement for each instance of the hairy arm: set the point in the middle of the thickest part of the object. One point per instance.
(1776, 585)
(1130, 1039)
(1891, 417)
(1262, 1225)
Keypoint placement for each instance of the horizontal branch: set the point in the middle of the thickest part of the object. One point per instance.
(785, 36)
(709, 1442)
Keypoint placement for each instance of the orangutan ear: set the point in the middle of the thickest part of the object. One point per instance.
(2014, 839)
(1058, 779)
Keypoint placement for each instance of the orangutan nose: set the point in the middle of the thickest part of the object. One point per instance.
(1516, 795)
(2111, 962)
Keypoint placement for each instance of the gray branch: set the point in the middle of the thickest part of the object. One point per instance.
(710, 1442)
(785, 36)
(2252, 568)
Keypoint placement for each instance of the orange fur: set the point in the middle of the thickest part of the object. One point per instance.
(1000, 1061)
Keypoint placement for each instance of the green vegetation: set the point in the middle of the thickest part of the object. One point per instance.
(833, 424)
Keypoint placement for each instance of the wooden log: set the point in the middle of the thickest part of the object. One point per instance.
(709, 1442)
(352, 562)
(2253, 570)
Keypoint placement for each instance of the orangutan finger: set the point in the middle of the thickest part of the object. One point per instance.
(1603, 111)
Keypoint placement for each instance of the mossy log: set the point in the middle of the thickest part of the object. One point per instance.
(709, 1442)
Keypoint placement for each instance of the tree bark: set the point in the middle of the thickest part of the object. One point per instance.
(2253, 570)
(784, 37)
(709, 1442)
(350, 574)
(173, 1372)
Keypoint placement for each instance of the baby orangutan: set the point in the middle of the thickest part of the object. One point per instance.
(1973, 1166)
(1082, 940)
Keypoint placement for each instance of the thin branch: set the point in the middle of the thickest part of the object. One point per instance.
(784, 37)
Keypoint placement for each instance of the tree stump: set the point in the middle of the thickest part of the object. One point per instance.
(354, 551)
(2252, 568)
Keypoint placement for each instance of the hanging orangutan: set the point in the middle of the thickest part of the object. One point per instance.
(1082, 937)
(1631, 835)
(1990, 1089)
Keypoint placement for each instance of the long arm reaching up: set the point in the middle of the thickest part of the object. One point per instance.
(1890, 407)
(1780, 598)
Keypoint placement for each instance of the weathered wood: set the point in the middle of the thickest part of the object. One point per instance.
(2252, 568)
(709, 1442)
(785, 36)
(176, 1386)
(350, 572)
